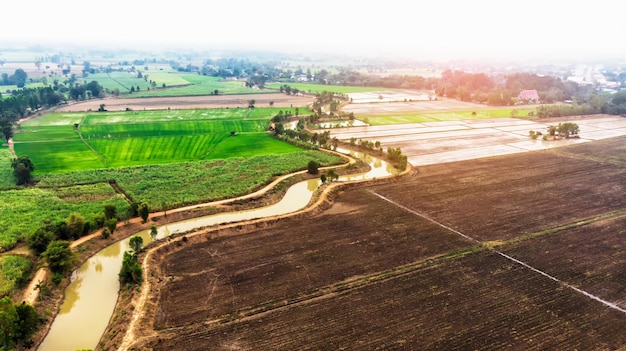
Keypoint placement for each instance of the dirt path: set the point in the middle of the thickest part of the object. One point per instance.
(31, 293)
(12, 147)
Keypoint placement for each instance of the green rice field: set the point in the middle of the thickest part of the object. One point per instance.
(435, 116)
(200, 85)
(131, 138)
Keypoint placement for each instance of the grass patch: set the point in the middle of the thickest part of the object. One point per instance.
(45, 133)
(59, 156)
(23, 211)
(7, 180)
(14, 272)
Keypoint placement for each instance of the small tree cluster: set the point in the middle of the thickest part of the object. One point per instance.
(58, 256)
(131, 271)
(313, 167)
(22, 169)
(18, 323)
(397, 158)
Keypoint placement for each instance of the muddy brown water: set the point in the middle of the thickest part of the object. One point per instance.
(91, 296)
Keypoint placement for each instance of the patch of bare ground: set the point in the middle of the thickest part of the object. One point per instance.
(477, 301)
(590, 256)
(188, 102)
(500, 198)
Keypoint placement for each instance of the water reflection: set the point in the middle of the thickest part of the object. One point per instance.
(90, 298)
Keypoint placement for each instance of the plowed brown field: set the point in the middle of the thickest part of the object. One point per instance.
(395, 273)
(190, 102)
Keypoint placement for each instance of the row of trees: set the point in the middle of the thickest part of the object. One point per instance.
(23, 101)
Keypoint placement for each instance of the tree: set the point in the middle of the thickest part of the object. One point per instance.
(144, 212)
(18, 323)
(22, 168)
(7, 128)
(39, 240)
(19, 77)
(331, 175)
(110, 211)
(135, 243)
(111, 224)
(251, 103)
(58, 256)
(567, 129)
(75, 224)
(27, 322)
(131, 269)
(313, 167)
(153, 232)
(8, 323)
(106, 233)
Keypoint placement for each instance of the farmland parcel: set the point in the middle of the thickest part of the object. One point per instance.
(411, 265)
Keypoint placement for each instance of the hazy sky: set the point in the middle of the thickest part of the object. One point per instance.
(456, 28)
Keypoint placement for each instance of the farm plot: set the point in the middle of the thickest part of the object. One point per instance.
(501, 198)
(166, 186)
(449, 141)
(243, 274)
(479, 301)
(190, 102)
(591, 257)
(59, 156)
(201, 85)
(24, 211)
(122, 139)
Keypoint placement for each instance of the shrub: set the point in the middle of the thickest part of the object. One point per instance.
(106, 233)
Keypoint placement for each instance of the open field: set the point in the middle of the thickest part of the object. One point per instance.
(449, 141)
(130, 138)
(420, 263)
(189, 102)
(319, 88)
(447, 115)
(200, 86)
(387, 109)
(523, 194)
(347, 234)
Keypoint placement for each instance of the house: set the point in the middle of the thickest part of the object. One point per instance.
(528, 97)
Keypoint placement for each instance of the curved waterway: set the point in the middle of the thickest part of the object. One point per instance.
(91, 296)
